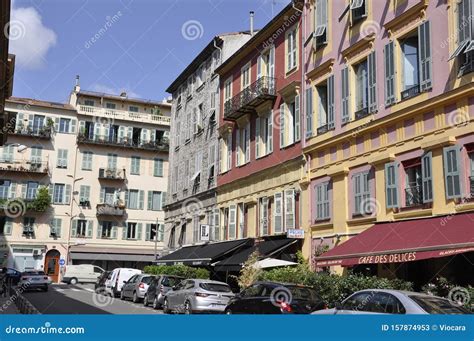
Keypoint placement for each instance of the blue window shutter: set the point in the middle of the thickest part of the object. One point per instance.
(150, 200)
(309, 112)
(424, 44)
(139, 231)
(389, 67)
(372, 66)
(141, 200)
(391, 184)
(452, 176)
(345, 94)
(331, 118)
(124, 230)
(74, 228)
(67, 195)
(99, 231)
(357, 193)
(427, 178)
(147, 231)
(90, 226)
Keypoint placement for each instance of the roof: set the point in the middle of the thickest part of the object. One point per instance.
(40, 103)
(120, 98)
(405, 241)
(260, 35)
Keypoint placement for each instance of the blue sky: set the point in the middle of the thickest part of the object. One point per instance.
(139, 45)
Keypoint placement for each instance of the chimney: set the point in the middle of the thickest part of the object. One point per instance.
(252, 14)
(123, 94)
(77, 87)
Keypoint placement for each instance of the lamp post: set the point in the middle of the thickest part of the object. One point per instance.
(71, 216)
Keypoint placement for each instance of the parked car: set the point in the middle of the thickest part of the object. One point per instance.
(136, 287)
(116, 279)
(34, 280)
(275, 298)
(99, 285)
(157, 289)
(381, 301)
(83, 273)
(197, 295)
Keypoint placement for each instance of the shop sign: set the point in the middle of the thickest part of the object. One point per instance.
(391, 258)
(204, 232)
(295, 233)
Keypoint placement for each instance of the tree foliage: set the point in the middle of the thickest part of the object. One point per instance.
(177, 270)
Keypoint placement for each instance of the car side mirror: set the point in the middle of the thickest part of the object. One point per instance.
(125, 281)
(338, 306)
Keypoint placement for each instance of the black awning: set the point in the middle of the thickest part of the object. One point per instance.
(265, 249)
(203, 254)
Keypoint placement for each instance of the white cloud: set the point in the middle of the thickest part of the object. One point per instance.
(114, 91)
(30, 40)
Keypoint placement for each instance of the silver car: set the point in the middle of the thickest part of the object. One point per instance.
(197, 295)
(384, 301)
(136, 287)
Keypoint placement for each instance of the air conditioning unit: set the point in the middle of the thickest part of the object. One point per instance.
(36, 252)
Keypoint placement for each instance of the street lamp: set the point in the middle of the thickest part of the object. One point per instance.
(71, 216)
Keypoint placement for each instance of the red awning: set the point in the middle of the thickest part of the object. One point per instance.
(405, 241)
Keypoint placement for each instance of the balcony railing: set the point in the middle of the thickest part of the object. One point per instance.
(111, 174)
(41, 133)
(24, 166)
(361, 113)
(106, 209)
(161, 145)
(410, 92)
(28, 230)
(413, 196)
(245, 101)
(124, 115)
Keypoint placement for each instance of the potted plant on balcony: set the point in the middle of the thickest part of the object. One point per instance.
(120, 204)
(42, 200)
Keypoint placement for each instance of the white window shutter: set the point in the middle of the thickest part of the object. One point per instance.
(247, 142)
(282, 125)
(257, 137)
(278, 212)
(269, 146)
(297, 119)
(290, 209)
(237, 147)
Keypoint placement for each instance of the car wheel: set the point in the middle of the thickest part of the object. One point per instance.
(156, 304)
(45, 288)
(135, 298)
(145, 300)
(188, 310)
(73, 281)
(166, 309)
(228, 312)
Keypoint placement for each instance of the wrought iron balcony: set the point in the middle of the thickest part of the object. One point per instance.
(410, 92)
(413, 196)
(161, 145)
(111, 174)
(361, 113)
(24, 166)
(248, 99)
(107, 209)
(28, 231)
(39, 133)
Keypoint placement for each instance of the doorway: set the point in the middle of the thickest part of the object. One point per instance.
(51, 265)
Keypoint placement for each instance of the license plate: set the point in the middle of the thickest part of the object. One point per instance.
(35, 279)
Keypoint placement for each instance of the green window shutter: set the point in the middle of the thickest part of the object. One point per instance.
(282, 125)
(102, 195)
(309, 112)
(163, 199)
(124, 230)
(158, 167)
(372, 80)
(139, 231)
(297, 119)
(160, 201)
(8, 226)
(24, 188)
(331, 118)
(147, 232)
(126, 198)
(424, 44)
(67, 195)
(56, 124)
(99, 230)
(389, 67)
(114, 232)
(82, 127)
(12, 190)
(150, 201)
(73, 126)
(345, 94)
(427, 177)
(90, 227)
(452, 176)
(357, 193)
(82, 193)
(141, 200)
(74, 228)
(391, 184)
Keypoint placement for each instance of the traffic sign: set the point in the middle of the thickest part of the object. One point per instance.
(62, 262)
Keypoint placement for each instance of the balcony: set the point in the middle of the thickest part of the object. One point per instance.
(113, 114)
(107, 209)
(28, 231)
(111, 174)
(162, 145)
(248, 99)
(361, 113)
(413, 196)
(410, 92)
(42, 133)
(24, 166)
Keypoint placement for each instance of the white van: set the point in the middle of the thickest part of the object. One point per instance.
(114, 283)
(84, 273)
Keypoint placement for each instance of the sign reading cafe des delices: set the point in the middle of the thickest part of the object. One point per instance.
(391, 258)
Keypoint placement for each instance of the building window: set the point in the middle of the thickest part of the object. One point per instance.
(64, 125)
(133, 108)
(182, 235)
(36, 154)
(243, 145)
(197, 119)
(84, 195)
(109, 105)
(112, 162)
(264, 135)
(464, 52)
(320, 23)
(154, 201)
(196, 223)
(107, 230)
(266, 66)
(62, 158)
(452, 172)
(172, 238)
(7, 155)
(86, 161)
(263, 216)
(28, 226)
(290, 122)
(362, 89)
(471, 174)
(322, 201)
(135, 199)
(132, 231)
(81, 230)
(4, 189)
(31, 190)
(358, 10)
(89, 102)
(227, 89)
(135, 165)
(245, 76)
(61, 194)
(362, 204)
(291, 50)
(325, 91)
(55, 228)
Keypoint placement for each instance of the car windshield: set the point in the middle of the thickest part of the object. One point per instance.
(215, 287)
(436, 305)
(33, 273)
(147, 280)
(303, 293)
(171, 281)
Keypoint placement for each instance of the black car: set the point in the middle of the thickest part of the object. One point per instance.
(157, 289)
(99, 285)
(275, 298)
(12, 275)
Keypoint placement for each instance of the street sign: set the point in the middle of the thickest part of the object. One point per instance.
(295, 233)
(204, 232)
(62, 262)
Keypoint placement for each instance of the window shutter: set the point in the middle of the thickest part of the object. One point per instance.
(73, 126)
(257, 137)
(90, 226)
(74, 228)
(309, 112)
(232, 221)
(424, 43)
(150, 201)
(357, 193)
(139, 231)
(12, 190)
(163, 199)
(158, 169)
(271, 65)
(282, 125)
(345, 94)
(259, 66)
(391, 184)
(247, 142)
(331, 118)
(264, 217)
(427, 178)
(141, 200)
(389, 68)
(8, 226)
(114, 232)
(56, 124)
(148, 232)
(289, 209)
(297, 119)
(102, 195)
(278, 212)
(229, 151)
(19, 122)
(67, 195)
(24, 188)
(99, 230)
(124, 230)
(372, 78)
(452, 172)
(269, 145)
(237, 147)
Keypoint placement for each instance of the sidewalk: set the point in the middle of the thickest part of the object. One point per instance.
(7, 306)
